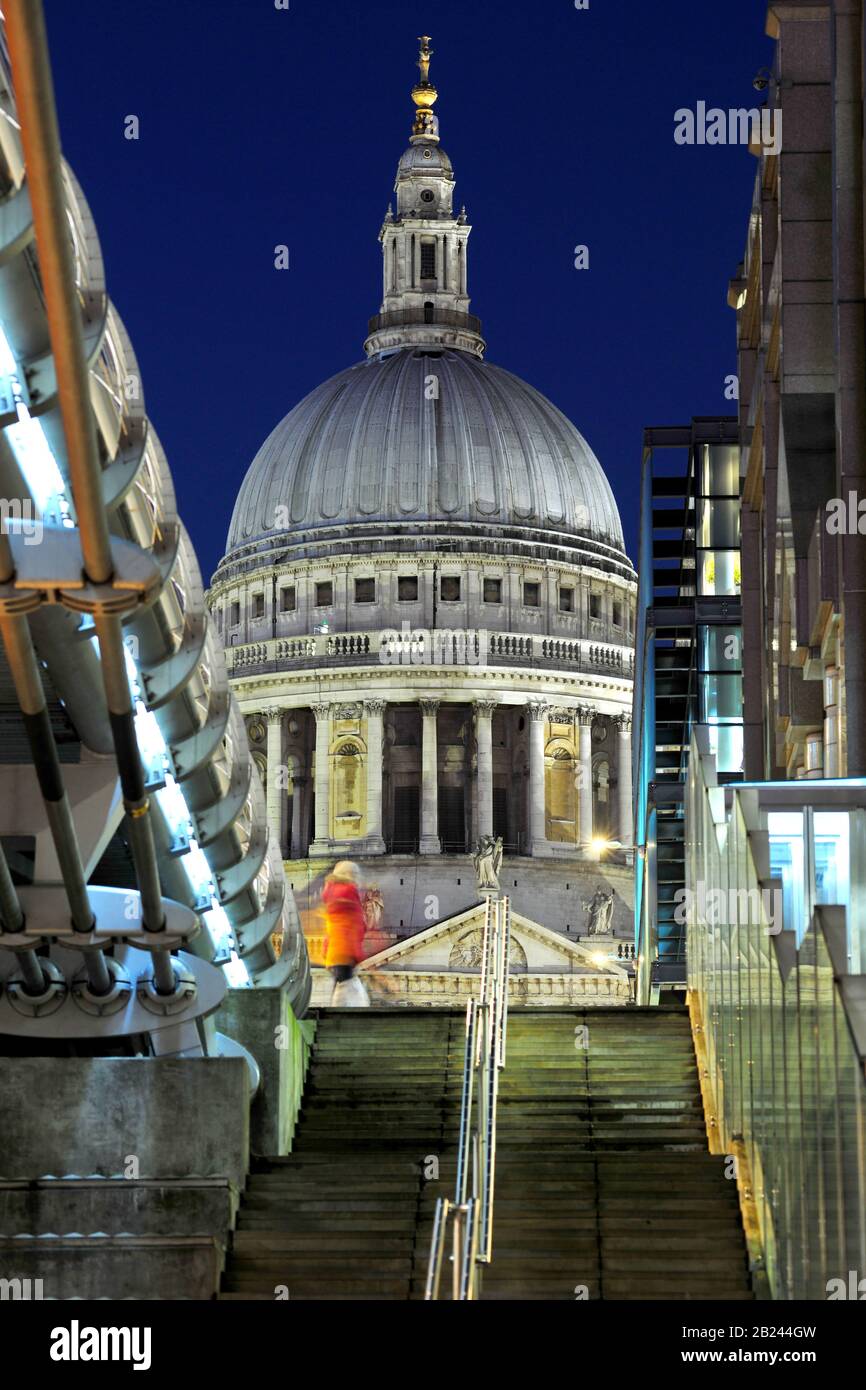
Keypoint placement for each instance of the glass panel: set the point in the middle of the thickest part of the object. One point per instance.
(831, 858)
(720, 648)
(783, 1072)
(718, 523)
(719, 572)
(720, 470)
(787, 862)
(721, 698)
(726, 745)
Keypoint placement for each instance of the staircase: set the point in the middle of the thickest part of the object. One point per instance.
(604, 1185)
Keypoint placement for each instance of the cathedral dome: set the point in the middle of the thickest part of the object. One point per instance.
(419, 437)
(425, 446)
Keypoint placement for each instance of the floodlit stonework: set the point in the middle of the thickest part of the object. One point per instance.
(428, 612)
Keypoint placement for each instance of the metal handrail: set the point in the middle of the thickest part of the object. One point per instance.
(471, 1211)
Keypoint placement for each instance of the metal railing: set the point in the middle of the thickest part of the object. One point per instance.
(470, 1214)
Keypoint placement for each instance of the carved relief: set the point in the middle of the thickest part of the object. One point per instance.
(467, 951)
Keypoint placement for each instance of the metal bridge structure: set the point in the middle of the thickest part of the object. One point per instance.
(138, 878)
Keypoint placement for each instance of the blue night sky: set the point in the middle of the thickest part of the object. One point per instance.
(260, 127)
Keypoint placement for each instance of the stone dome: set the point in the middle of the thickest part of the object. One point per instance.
(425, 158)
(418, 438)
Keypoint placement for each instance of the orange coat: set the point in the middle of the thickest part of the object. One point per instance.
(344, 918)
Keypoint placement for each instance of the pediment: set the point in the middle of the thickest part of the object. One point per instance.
(453, 945)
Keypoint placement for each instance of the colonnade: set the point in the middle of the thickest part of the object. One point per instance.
(538, 713)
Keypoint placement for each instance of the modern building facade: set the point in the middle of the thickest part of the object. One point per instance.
(773, 859)
(689, 671)
(428, 607)
(799, 297)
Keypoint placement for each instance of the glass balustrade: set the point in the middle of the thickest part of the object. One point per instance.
(773, 996)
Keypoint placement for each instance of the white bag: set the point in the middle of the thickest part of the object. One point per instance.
(350, 994)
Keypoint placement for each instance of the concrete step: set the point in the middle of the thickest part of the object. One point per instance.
(603, 1175)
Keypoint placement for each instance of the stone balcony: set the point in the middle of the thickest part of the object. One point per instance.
(436, 648)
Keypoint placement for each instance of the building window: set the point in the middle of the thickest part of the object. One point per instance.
(566, 600)
(532, 595)
(617, 614)
(288, 601)
(258, 605)
(365, 591)
(235, 614)
(449, 588)
(219, 619)
(324, 594)
(407, 588)
(595, 605)
(493, 591)
(428, 260)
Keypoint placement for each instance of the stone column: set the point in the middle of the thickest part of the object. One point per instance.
(626, 822)
(296, 848)
(585, 715)
(537, 824)
(322, 843)
(374, 710)
(484, 740)
(429, 779)
(276, 793)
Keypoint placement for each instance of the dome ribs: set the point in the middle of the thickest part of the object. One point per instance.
(486, 459)
(382, 448)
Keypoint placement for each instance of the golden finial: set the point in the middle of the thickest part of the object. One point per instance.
(424, 95)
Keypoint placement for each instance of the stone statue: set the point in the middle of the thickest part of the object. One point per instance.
(373, 905)
(488, 861)
(600, 909)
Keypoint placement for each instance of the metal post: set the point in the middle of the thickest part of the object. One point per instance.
(464, 1137)
(437, 1249)
(12, 920)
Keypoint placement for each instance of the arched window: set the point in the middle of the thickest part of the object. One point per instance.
(428, 312)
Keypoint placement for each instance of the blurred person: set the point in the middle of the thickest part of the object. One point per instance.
(344, 933)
